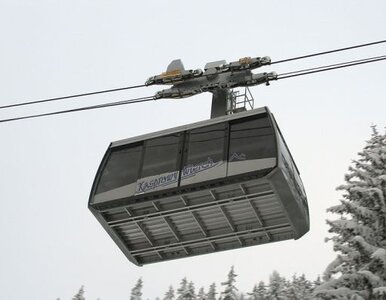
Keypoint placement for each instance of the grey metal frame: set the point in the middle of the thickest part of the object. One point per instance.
(245, 210)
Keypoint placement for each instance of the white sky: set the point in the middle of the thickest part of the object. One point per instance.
(50, 244)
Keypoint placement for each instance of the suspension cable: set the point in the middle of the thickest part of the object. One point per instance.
(123, 102)
(328, 52)
(150, 98)
(144, 99)
(71, 96)
(143, 85)
(330, 67)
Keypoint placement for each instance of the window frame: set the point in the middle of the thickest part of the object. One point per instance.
(178, 158)
(185, 155)
(265, 115)
(107, 158)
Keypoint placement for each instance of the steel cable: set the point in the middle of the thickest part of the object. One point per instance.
(123, 102)
(144, 99)
(328, 52)
(330, 67)
(71, 96)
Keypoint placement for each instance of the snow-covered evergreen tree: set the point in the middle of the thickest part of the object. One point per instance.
(136, 292)
(241, 296)
(169, 295)
(201, 294)
(276, 287)
(259, 292)
(253, 295)
(292, 289)
(190, 294)
(186, 290)
(317, 282)
(305, 287)
(287, 288)
(359, 271)
(181, 290)
(211, 295)
(79, 295)
(230, 288)
(299, 288)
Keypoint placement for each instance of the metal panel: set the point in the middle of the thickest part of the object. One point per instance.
(205, 221)
(240, 167)
(207, 170)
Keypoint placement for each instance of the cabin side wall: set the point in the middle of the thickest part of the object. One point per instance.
(287, 183)
(188, 158)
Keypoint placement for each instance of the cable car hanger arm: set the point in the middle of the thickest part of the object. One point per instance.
(216, 75)
(176, 72)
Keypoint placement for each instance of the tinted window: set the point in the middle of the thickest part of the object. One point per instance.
(205, 143)
(251, 139)
(121, 168)
(161, 155)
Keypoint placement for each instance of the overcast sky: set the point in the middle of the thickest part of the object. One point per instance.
(50, 244)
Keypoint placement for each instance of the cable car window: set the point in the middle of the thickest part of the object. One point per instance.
(121, 168)
(206, 142)
(252, 139)
(204, 154)
(161, 155)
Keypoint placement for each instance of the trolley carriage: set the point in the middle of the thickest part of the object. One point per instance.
(215, 185)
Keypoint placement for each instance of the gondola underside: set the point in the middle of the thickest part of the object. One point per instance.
(206, 220)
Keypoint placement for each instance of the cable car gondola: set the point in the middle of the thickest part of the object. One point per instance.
(220, 184)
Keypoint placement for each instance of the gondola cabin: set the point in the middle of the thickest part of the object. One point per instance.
(215, 185)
